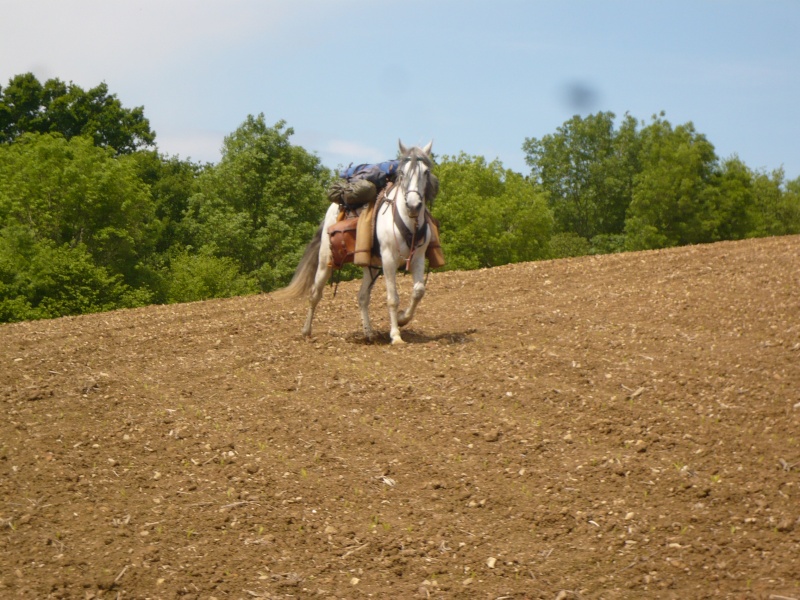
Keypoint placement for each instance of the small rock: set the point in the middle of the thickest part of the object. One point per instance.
(785, 526)
(491, 562)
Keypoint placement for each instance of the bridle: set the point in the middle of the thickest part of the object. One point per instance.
(413, 237)
(405, 180)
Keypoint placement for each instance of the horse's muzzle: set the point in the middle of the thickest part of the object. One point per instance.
(414, 208)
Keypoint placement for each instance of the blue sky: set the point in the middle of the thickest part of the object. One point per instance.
(352, 76)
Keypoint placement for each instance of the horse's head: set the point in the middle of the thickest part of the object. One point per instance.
(414, 176)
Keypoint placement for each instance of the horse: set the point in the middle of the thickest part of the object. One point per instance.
(402, 213)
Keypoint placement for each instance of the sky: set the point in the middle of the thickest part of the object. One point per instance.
(351, 77)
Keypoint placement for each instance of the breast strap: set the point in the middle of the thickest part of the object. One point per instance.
(408, 235)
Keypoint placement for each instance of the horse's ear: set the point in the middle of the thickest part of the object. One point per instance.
(427, 149)
(403, 149)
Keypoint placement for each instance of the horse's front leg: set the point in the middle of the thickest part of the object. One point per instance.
(392, 301)
(367, 281)
(418, 275)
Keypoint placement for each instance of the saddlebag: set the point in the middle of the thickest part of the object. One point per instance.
(343, 241)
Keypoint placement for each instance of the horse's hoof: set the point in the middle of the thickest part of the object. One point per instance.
(398, 341)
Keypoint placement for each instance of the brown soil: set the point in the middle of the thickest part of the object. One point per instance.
(620, 426)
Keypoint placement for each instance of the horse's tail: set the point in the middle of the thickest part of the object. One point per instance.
(306, 271)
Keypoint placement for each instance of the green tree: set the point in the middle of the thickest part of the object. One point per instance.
(587, 169)
(490, 215)
(261, 204)
(74, 193)
(776, 205)
(202, 276)
(39, 279)
(674, 198)
(791, 207)
(28, 106)
(172, 182)
(733, 214)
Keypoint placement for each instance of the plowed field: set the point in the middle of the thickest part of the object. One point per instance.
(622, 426)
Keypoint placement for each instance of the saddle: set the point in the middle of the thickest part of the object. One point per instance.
(348, 237)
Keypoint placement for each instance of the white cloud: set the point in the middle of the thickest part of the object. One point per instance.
(353, 150)
(199, 146)
(88, 41)
(335, 152)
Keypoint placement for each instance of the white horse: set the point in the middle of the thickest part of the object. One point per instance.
(402, 234)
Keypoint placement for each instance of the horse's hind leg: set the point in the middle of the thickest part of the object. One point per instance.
(320, 279)
(367, 281)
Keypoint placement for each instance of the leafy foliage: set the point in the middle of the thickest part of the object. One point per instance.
(674, 199)
(654, 187)
(203, 276)
(776, 205)
(490, 216)
(28, 106)
(568, 244)
(72, 192)
(261, 204)
(587, 170)
(39, 279)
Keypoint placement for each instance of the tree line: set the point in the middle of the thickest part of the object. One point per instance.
(93, 217)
